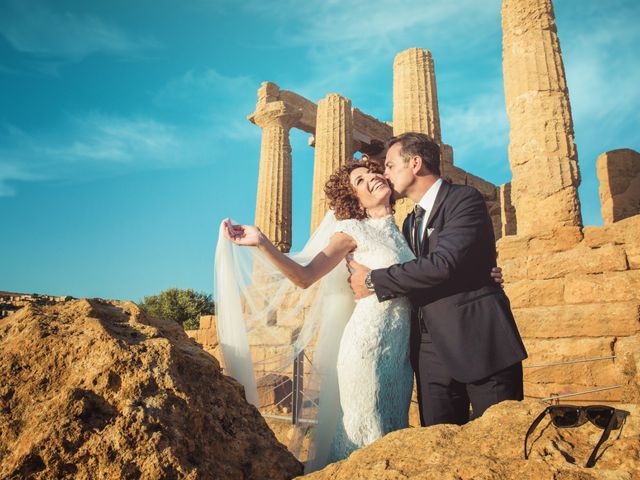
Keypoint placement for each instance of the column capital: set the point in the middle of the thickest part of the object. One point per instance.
(275, 113)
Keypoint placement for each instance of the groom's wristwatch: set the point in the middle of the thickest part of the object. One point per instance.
(369, 283)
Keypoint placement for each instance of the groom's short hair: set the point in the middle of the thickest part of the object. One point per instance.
(414, 143)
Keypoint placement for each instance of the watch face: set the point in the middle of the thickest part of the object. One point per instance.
(367, 281)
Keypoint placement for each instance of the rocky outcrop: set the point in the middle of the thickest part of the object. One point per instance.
(491, 447)
(96, 389)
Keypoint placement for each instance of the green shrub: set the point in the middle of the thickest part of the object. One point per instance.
(184, 306)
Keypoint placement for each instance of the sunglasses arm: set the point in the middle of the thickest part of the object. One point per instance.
(533, 426)
(603, 438)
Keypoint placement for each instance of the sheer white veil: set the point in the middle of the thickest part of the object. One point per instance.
(255, 301)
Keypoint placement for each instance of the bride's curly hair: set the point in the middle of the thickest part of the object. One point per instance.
(341, 194)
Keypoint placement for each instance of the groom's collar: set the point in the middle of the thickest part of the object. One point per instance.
(429, 198)
(439, 198)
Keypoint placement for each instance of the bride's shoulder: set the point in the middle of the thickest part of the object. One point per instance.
(350, 226)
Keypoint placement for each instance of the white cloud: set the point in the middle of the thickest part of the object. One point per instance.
(31, 27)
(103, 138)
(10, 173)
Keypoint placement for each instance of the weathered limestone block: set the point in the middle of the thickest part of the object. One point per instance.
(446, 159)
(542, 152)
(415, 97)
(209, 337)
(545, 390)
(585, 320)
(533, 293)
(628, 351)
(599, 372)
(207, 334)
(334, 148)
(271, 335)
(608, 286)
(552, 350)
(546, 350)
(268, 359)
(414, 410)
(624, 232)
(207, 321)
(508, 222)
(273, 202)
(273, 390)
(558, 239)
(619, 176)
(581, 259)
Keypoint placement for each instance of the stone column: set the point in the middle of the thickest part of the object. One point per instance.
(542, 152)
(333, 148)
(273, 202)
(415, 103)
(415, 97)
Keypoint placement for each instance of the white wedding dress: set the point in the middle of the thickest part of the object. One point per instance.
(375, 378)
(360, 375)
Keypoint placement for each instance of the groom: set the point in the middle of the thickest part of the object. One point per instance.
(465, 346)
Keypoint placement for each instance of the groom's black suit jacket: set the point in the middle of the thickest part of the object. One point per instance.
(454, 299)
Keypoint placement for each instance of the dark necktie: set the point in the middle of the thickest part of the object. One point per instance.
(418, 215)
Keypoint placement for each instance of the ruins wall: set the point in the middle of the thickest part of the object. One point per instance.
(575, 295)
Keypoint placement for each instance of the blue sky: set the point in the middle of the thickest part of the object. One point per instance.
(123, 131)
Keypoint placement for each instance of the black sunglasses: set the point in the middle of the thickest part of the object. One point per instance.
(568, 416)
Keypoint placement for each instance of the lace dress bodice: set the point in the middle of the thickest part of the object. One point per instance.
(380, 242)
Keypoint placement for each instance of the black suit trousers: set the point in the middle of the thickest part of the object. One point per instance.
(442, 399)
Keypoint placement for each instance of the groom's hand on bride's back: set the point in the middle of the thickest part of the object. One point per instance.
(496, 275)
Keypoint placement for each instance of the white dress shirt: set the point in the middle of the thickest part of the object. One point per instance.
(427, 201)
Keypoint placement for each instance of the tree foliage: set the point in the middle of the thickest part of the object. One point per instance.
(180, 305)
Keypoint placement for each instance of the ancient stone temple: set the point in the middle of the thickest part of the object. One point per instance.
(338, 131)
(574, 290)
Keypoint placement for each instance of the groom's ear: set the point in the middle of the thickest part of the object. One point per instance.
(416, 163)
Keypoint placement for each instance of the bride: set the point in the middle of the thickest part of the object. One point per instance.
(374, 375)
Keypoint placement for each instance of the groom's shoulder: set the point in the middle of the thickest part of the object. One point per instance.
(464, 191)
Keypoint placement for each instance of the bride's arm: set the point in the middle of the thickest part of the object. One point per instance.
(302, 276)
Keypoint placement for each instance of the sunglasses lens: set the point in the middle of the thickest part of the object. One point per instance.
(565, 417)
(599, 416)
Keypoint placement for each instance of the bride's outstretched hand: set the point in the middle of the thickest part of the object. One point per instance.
(247, 235)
